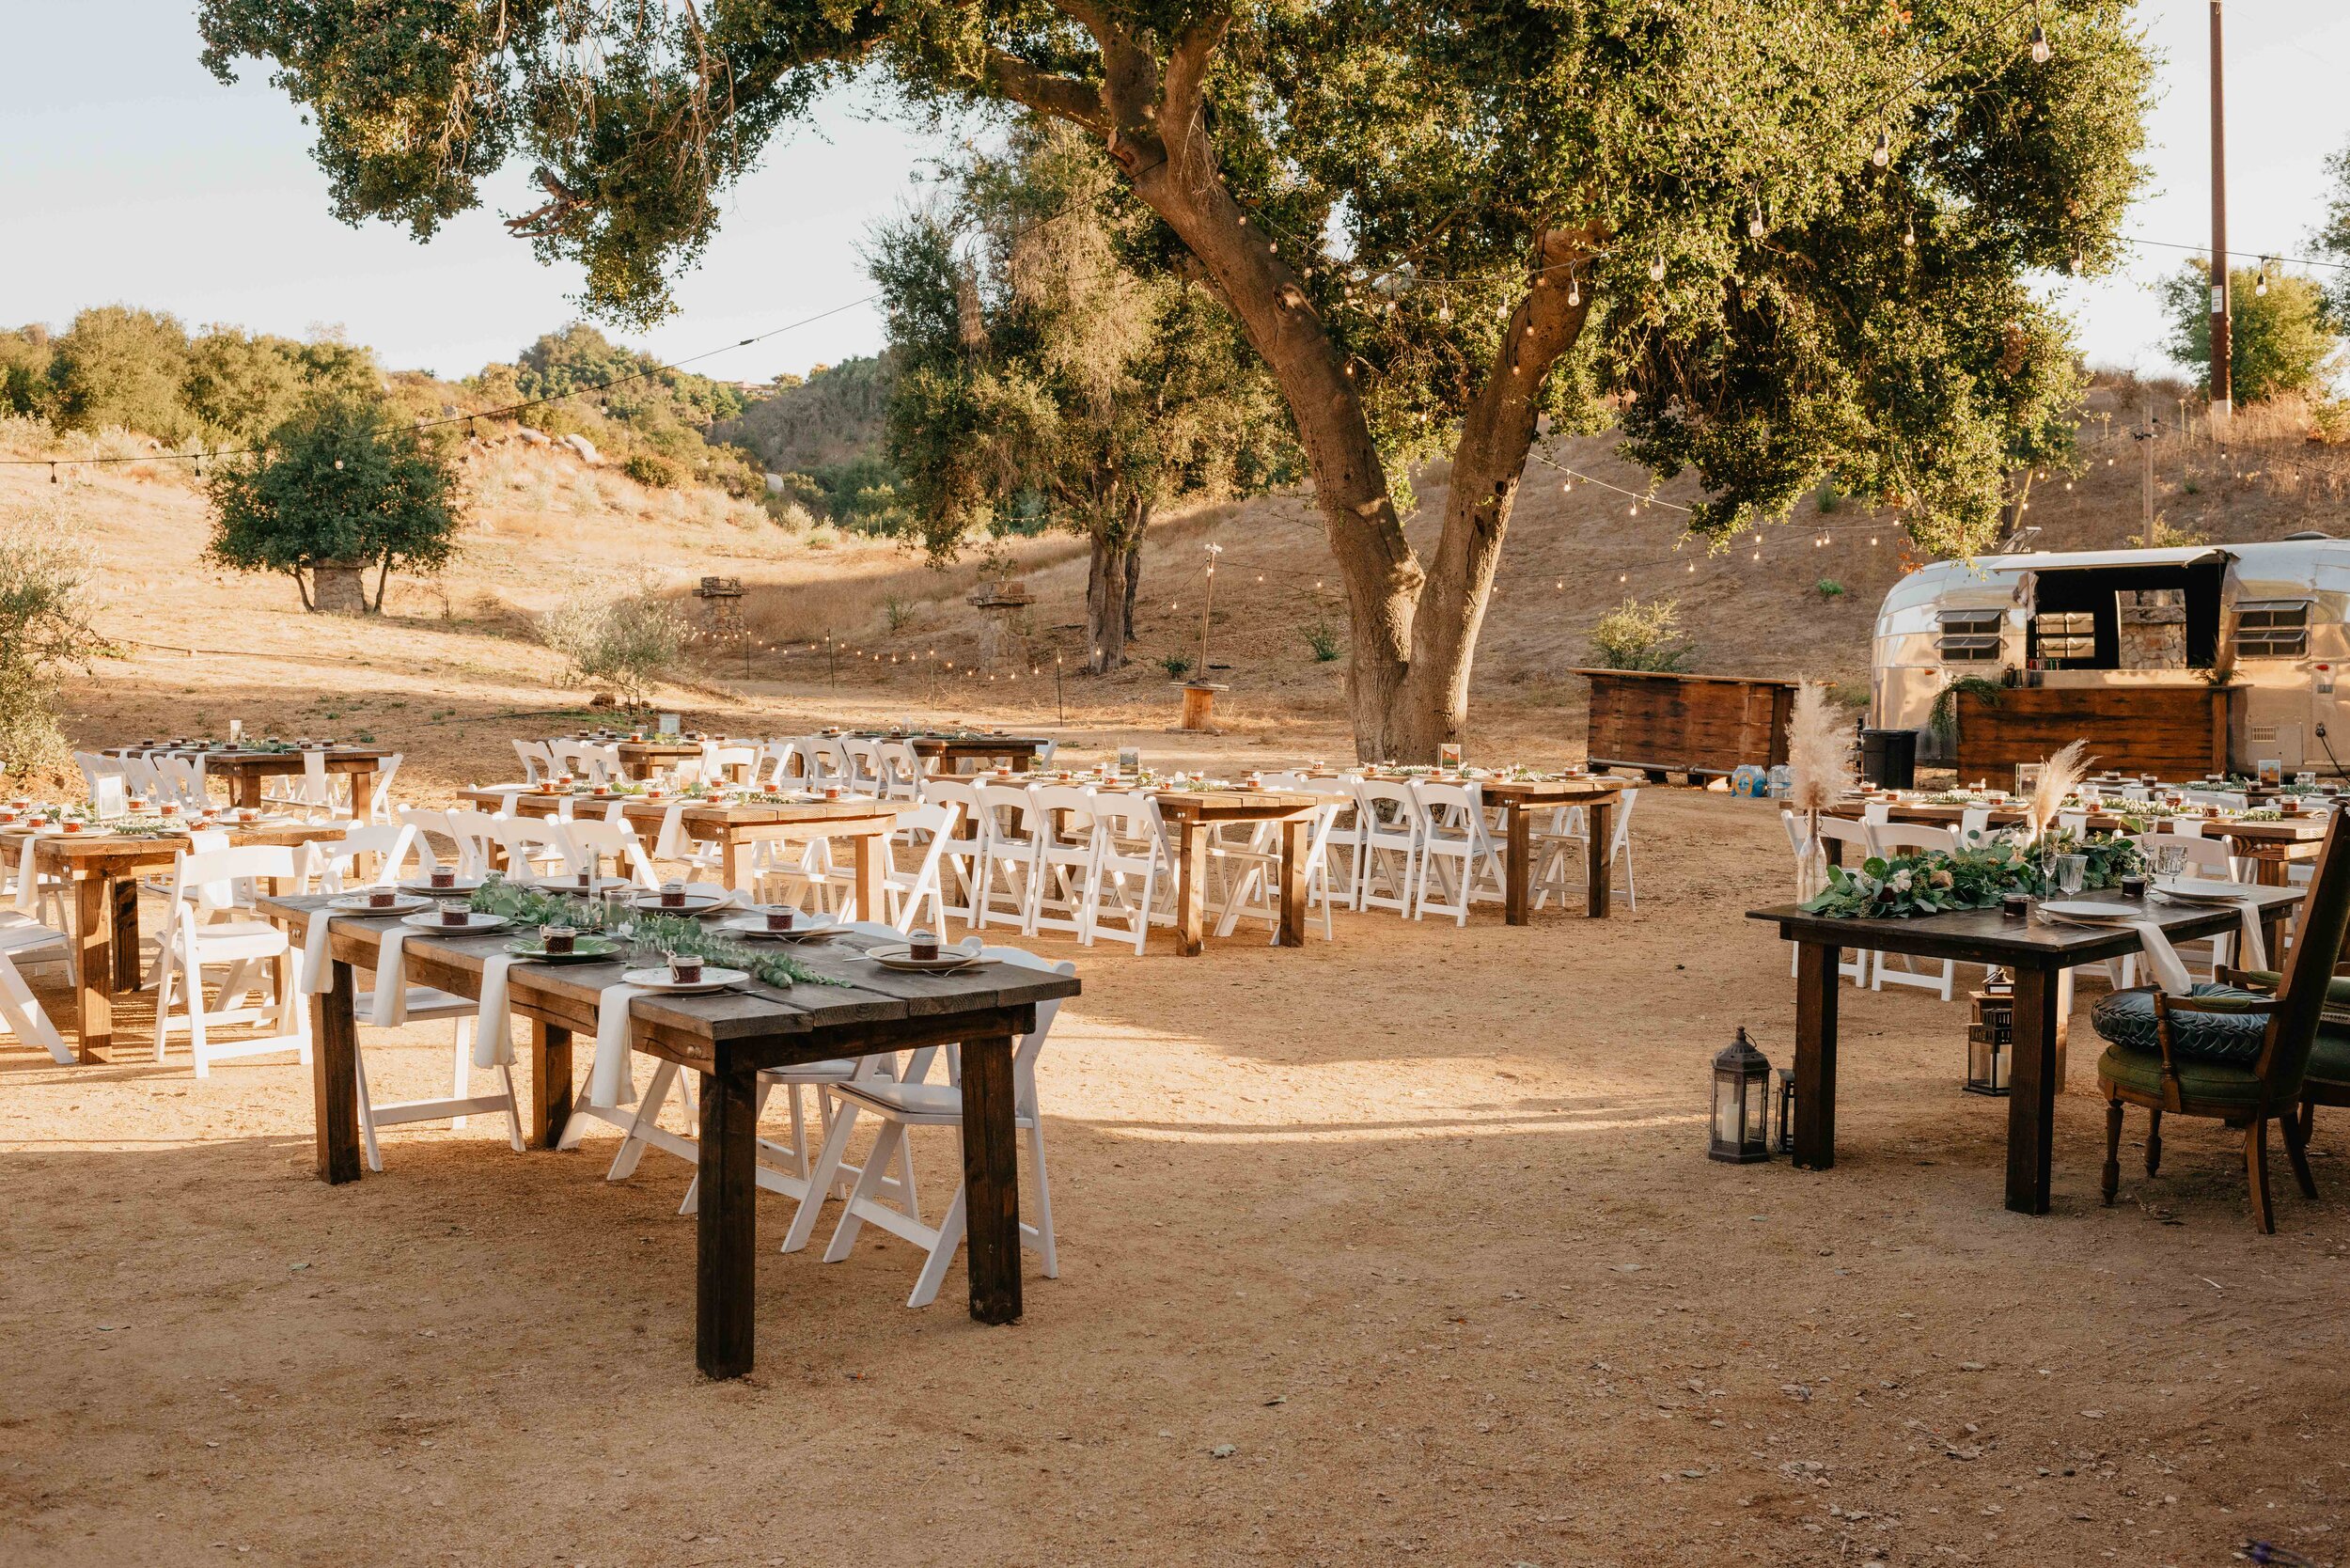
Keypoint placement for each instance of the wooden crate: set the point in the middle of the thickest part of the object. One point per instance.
(2173, 732)
(1693, 724)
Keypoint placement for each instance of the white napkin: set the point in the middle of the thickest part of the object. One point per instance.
(609, 1081)
(391, 978)
(2254, 953)
(493, 1029)
(506, 801)
(28, 880)
(2162, 959)
(314, 980)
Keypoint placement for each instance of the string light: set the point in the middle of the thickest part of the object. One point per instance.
(1754, 225)
(1884, 154)
(1656, 271)
(2259, 288)
(1910, 235)
(2040, 50)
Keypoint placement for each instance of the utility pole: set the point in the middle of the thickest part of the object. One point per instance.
(2146, 448)
(2222, 382)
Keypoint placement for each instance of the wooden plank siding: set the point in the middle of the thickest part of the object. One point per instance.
(2171, 731)
(1697, 723)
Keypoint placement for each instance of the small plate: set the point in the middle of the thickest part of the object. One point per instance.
(754, 927)
(589, 950)
(713, 978)
(356, 904)
(900, 956)
(461, 887)
(696, 903)
(604, 888)
(475, 923)
(2192, 890)
(2081, 912)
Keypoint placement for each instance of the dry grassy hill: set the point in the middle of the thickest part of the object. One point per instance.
(450, 669)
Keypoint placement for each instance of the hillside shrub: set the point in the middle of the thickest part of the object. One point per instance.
(44, 632)
(625, 645)
(1634, 635)
(653, 471)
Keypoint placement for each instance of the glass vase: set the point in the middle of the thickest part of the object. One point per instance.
(1810, 861)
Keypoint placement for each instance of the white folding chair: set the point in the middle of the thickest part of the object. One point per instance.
(336, 864)
(1013, 855)
(1570, 830)
(1858, 845)
(1889, 838)
(924, 832)
(1130, 856)
(1458, 856)
(588, 843)
(534, 848)
(967, 847)
(901, 770)
(208, 922)
(377, 807)
(864, 765)
(1389, 872)
(538, 762)
(26, 941)
(1063, 816)
(903, 1105)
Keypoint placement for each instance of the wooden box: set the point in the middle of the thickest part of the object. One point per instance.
(1699, 725)
(2171, 731)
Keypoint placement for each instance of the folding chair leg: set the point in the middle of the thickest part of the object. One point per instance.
(366, 1113)
(24, 1016)
(461, 1072)
(647, 1113)
(868, 1180)
(820, 1181)
(942, 1253)
(1046, 1251)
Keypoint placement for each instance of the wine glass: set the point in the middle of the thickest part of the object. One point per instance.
(2071, 872)
(2170, 862)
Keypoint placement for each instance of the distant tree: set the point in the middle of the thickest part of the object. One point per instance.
(25, 359)
(625, 645)
(1634, 635)
(344, 486)
(2280, 338)
(121, 366)
(44, 631)
(1061, 369)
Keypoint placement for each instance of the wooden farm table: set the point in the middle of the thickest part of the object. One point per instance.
(944, 754)
(641, 760)
(726, 1038)
(1519, 801)
(1194, 814)
(105, 868)
(735, 825)
(2035, 953)
(243, 770)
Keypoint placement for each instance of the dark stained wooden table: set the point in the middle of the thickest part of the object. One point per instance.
(2034, 953)
(104, 869)
(726, 1038)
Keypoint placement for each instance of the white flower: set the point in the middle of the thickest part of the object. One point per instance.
(1901, 881)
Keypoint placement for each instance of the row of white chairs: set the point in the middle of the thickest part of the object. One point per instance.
(163, 777)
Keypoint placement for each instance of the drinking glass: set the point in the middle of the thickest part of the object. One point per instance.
(2169, 861)
(2305, 779)
(2071, 872)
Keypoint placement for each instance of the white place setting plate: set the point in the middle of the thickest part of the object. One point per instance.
(696, 903)
(900, 956)
(475, 923)
(2191, 891)
(457, 889)
(713, 978)
(2081, 912)
(754, 926)
(356, 904)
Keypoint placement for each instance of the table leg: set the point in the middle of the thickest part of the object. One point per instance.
(244, 788)
(1601, 893)
(363, 795)
(726, 1226)
(1191, 886)
(1518, 862)
(1292, 927)
(991, 1179)
(93, 935)
(873, 853)
(2031, 1096)
(731, 859)
(1815, 1055)
(550, 1083)
(122, 893)
(334, 1077)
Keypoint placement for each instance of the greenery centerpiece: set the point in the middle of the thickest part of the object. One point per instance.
(641, 929)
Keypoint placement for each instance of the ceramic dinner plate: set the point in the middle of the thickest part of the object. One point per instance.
(2190, 890)
(900, 957)
(713, 978)
(2081, 912)
(755, 928)
(356, 904)
(475, 923)
(457, 889)
(696, 903)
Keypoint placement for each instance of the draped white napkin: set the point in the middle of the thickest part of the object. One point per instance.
(27, 879)
(391, 978)
(609, 1081)
(313, 977)
(2164, 964)
(668, 846)
(493, 1032)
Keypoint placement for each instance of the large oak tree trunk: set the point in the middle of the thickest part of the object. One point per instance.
(1112, 576)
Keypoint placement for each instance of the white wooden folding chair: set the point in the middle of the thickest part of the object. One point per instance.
(901, 771)
(910, 885)
(1063, 816)
(588, 843)
(1459, 859)
(1890, 839)
(967, 847)
(1389, 872)
(25, 941)
(1857, 846)
(1013, 858)
(1130, 858)
(209, 923)
(538, 762)
(903, 1105)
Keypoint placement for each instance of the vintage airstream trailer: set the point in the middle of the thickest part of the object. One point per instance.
(2125, 646)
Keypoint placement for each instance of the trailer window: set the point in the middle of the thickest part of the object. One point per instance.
(1971, 637)
(2272, 628)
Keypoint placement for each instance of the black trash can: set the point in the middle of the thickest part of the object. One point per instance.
(1888, 758)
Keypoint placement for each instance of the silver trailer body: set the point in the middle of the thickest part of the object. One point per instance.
(2276, 614)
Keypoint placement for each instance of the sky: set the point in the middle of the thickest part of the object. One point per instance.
(148, 182)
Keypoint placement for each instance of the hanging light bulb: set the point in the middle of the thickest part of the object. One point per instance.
(1444, 312)
(1656, 271)
(1754, 224)
(2077, 263)
(2261, 286)
(1575, 290)
(1884, 154)
(1910, 235)
(2040, 50)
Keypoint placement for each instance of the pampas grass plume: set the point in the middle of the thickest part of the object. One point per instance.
(1819, 750)
(2059, 777)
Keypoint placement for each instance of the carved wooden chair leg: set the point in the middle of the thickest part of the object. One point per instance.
(2297, 1152)
(2256, 1172)
(2113, 1148)
(2154, 1142)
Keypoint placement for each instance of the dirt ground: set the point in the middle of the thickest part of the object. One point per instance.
(1398, 1247)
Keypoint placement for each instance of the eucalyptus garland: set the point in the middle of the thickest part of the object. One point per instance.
(531, 907)
(1934, 882)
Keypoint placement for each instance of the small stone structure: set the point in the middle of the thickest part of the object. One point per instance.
(1000, 605)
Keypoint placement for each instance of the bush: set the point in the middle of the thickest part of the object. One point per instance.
(1829, 588)
(44, 578)
(653, 471)
(1634, 635)
(625, 644)
(1176, 665)
(1323, 639)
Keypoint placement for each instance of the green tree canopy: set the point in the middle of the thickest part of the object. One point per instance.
(1779, 239)
(2280, 337)
(120, 366)
(1056, 367)
(345, 485)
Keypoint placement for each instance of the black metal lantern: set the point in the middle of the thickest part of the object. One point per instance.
(1991, 1036)
(1784, 1098)
(1742, 1081)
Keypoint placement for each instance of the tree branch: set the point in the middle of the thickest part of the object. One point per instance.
(1048, 93)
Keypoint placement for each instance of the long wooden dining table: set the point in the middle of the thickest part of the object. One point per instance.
(244, 768)
(2037, 954)
(727, 1038)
